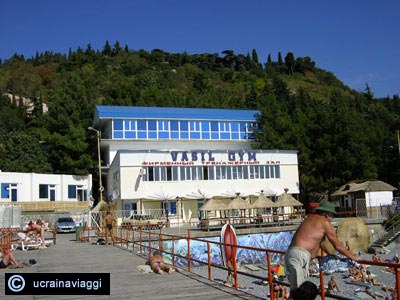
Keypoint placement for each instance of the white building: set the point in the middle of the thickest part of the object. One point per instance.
(175, 158)
(33, 187)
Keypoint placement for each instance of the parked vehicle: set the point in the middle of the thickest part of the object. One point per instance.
(65, 224)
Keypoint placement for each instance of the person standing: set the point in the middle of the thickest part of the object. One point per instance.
(308, 240)
(109, 222)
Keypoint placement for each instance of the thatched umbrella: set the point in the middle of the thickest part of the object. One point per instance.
(213, 204)
(263, 201)
(101, 206)
(239, 203)
(354, 231)
(287, 200)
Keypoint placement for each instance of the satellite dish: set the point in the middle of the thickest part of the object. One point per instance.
(115, 194)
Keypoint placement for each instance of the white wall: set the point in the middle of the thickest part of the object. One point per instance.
(28, 185)
(379, 198)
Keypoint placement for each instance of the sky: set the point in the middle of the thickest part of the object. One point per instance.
(357, 40)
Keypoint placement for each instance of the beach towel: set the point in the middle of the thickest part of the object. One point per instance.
(333, 263)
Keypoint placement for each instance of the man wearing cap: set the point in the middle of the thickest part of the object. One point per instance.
(308, 240)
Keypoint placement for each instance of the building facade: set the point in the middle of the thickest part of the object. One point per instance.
(17, 188)
(174, 159)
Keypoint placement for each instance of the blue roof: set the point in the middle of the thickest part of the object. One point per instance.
(141, 112)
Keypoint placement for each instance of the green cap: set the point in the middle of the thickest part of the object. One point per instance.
(326, 206)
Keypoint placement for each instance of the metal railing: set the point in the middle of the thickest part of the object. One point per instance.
(144, 242)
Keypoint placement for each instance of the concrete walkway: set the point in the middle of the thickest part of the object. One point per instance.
(68, 256)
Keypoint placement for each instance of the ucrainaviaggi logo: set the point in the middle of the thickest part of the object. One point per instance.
(57, 284)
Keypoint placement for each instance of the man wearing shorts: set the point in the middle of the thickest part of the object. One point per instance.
(307, 242)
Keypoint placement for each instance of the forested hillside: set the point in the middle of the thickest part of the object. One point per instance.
(341, 134)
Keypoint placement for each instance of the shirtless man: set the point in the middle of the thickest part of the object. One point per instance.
(307, 242)
(157, 264)
(38, 231)
(109, 222)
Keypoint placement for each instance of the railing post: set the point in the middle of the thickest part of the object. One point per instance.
(173, 251)
(235, 277)
(209, 261)
(188, 250)
(321, 281)
(140, 238)
(398, 283)
(271, 284)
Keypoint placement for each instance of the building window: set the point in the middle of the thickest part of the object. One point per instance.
(77, 192)
(47, 191)
(185, 173)
(9, 191)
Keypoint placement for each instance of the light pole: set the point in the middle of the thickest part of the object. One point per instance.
(101, 188)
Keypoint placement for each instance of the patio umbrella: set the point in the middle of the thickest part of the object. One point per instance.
(239, 203)
(356, 233)
(263, 201)
(213, 204)
(287, 200)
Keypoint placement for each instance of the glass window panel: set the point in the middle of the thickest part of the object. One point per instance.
(205, 126)
(118, 134)
(183, 173)
(172, 207)
(183, 125)
(214, 126)
(225, 136)
(235, 126)
(205, 135)
(267, 174)
(245, 172)
(195, 135)
(71, 191)
(152, 125)
(242, 127)
(211, 173)
(142, 125)
(174, 135)
(118, 125)
(163, 135)
(142, 135)
(200, 173)
(43, 191)
(156, 174)
(5, 190)
(262, 172)
(184, 135)
(174, 125)
(214, 136)
(175, 173)
(229, 172)
(277, 172)
(235, 136)
(130, 135)
(152, 134)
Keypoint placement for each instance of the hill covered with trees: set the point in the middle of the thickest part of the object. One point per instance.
(341, 134)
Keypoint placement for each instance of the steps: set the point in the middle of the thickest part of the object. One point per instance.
(392, 232)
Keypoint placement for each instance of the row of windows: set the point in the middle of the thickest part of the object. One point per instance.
(185, 173)
(46, 191)
(173, 129)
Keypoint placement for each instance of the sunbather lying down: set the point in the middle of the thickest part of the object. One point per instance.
(156, 262)
(8, 258)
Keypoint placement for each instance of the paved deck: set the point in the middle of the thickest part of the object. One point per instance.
(68, 256)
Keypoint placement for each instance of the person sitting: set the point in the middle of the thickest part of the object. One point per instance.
(306, 291)
(8, 258)
(371, 278)
(376, 257)
(157, 264)
(332, 285)
(280, 291)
